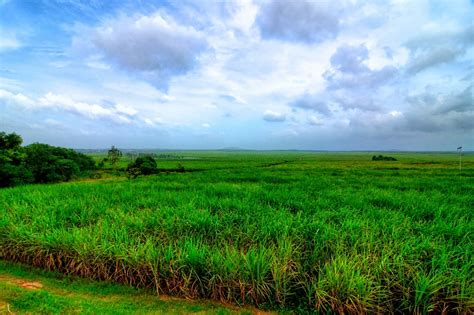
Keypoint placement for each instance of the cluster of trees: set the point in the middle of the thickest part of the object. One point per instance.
(38, 163)
(42, 163)
(383, 158)
(143, 165)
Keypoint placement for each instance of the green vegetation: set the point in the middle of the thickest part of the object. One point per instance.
(145, 165)
(284, 230)
(13, 169)
(38, 163)
(383, 158)
(27, 291)
(114, 155)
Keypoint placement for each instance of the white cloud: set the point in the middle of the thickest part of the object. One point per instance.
(273, 116)
(128, 110)
(8, 42)
(304, 21)
(395, 113)
(154, 47)
(120, 113)
(315, 121)
(314, 102)
(346, 66)
(438, 48)
(15, 99)
(61, 102)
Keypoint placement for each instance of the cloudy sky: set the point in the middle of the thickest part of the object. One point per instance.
(280, 74)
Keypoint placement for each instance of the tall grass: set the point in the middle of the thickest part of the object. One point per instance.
(328, 233)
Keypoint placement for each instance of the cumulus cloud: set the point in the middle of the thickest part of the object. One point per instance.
(93, 111)
(312, 102)
(350, 69)
(432, 112)
(350, 59)
(350, 83)
(433, 58)
(315, 121)
(10, 98)
(298, 21)
(416, 121)
(273, 116)
(119, 113)
(319, 63)
(154, 47)
(430, 50)
(361, 100)
(124, 109)
(231, 98)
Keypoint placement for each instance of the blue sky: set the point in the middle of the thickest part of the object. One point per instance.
(321, 75)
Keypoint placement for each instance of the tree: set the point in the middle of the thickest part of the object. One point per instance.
(114, 155)
(55, 164)
(13, 169)
(144, 165)
(10, 141)
(132, 172)
(38, 163)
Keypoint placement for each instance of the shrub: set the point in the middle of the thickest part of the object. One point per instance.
(383, 158)
(144, 165)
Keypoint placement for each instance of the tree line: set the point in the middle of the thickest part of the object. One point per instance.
(43, 163)
(38, 163)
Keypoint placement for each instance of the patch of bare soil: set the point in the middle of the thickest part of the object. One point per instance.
(32, 285)
(35, 285)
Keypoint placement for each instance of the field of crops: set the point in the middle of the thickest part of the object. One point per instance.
(283, 230)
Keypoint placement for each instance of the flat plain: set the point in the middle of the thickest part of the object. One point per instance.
(299, 231)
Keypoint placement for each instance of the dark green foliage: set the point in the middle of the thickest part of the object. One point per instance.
(383, 158)
(143, 165)
(132, 172)
(12, 175)
(54, 164)
(10, 141)
(38, 163)
(180, 168)
(114, 155)
(13, 170)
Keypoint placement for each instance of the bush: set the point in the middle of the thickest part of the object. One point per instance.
(180, 168)
(383, 158)
(144, 165)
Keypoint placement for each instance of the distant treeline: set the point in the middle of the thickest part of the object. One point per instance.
(38, 163)
(163, 156)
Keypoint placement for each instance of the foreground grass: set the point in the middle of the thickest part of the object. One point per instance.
(25, 290)
(316, 232)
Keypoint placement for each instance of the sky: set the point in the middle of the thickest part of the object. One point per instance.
(279, 74)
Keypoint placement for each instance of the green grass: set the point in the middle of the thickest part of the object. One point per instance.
(283, 230)
(24, 290)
